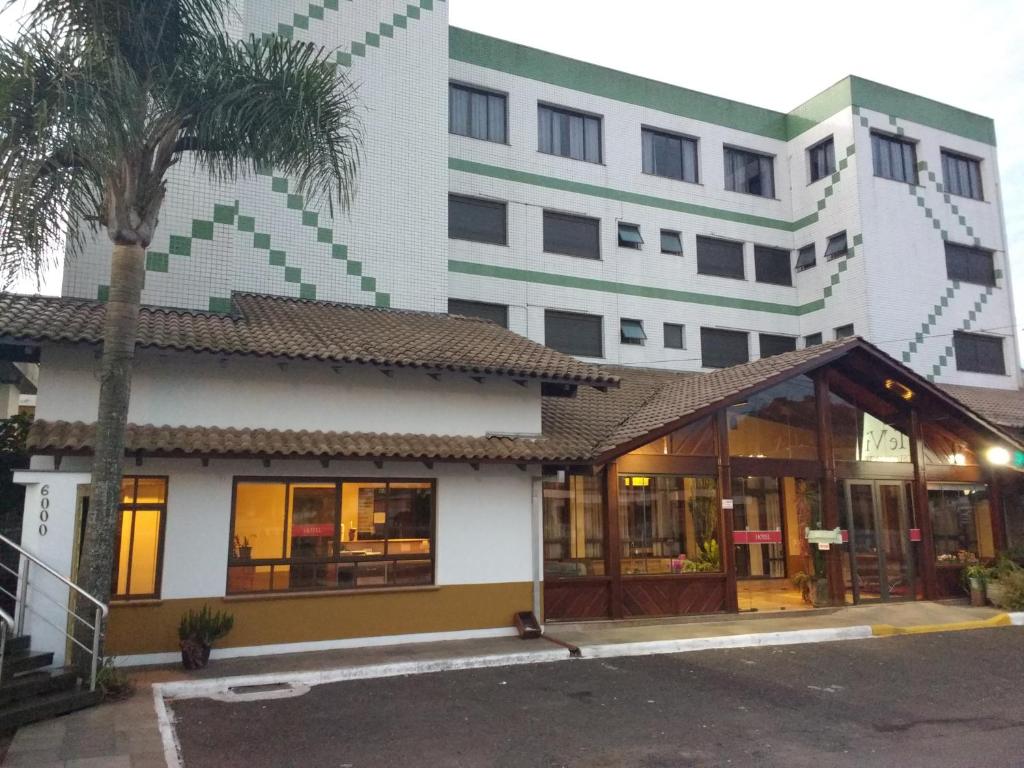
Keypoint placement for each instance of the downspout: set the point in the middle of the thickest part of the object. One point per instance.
(536, 532)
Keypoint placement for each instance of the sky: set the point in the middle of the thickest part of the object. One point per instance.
(968, 53)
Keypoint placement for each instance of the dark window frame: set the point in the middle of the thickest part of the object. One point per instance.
(567, 314)
(971, 160)
(772, 338)
(683, 139)
(838, 328)
(976, 265)
(876, 161)
(678, 238)
(803, 263)
(486, 92)
(682, 335)
(635, 246)
(338, 482)
(707, 269)
(830, 162)
(547, 213)
(134, 506)
(570, 112)
(632, 341)
(840, 250)
(726, 150)
(963, 359)
(771, 273)
(814, 339)
(474, 302)
(704, 347)
(485, 203)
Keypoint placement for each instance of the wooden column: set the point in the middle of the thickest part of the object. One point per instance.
(995, 505)
(829, 488)
(725, 492)
(922, 515)
(613, 538)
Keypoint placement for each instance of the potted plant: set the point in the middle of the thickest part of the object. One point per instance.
(977, 576)
(243, 549)
(1000, 578)
(813, 586)
(198, 631)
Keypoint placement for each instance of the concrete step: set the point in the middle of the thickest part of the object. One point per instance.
(15, 644)
(36, 708)
(20, 662)
(38, 683)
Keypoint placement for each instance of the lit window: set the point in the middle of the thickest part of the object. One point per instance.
(629, 236)
(836, 246)
(671, 242)
(140, 538)
(632, 331)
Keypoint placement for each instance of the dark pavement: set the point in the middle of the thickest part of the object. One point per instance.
(953, 699)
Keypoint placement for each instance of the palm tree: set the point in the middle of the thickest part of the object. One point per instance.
(99, 99)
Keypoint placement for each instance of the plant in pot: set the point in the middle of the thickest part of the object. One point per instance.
(243, 549)
(1003, 575)
(977, 576)
(198, 631)
(813, 586)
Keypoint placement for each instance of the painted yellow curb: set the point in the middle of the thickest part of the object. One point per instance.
(888, 630)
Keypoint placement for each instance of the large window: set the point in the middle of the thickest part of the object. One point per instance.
(669, 524)
(894, 158)
(757, 506)
(777, 423)
(961, 175)
(572, 235)
(722, 258)
(961, 521)
(720, 348)
(859, 436)
(669, 155)
(140, 538)
(694, 439)
(749, 172)
(979, 353)
(772, 344)
(970, 265)
(574, 333)
(822, 159)
(317, 535)
(568, 134)
(497, 313)
(482, 221)
(771, 265)
(573, 527)
(477, 113)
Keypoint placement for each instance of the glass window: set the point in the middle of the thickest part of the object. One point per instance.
(574, 333)
(806, 258)
(496, 313)
(757, 506)
(894, 158)
(969, 264)
(961, 175)
(812, 340)
(694, 439)
(720, 348)
(749, 172)
(478, 220)
(675, 336)
(722, 258)
(771, 344)
(568, 134)
(822, 159)
(572, 235)
(943, 447)
(477, 113)
(139, 560)
(777, 423)
(573, 527)
(669, 524)
(859, 436)
(629, 236)
(331, 535)
(771, 265)
(632, 331)
(844, 331)
(961, 521)
(979, 353)
(836, 246)
(671, 242)
(669, 155)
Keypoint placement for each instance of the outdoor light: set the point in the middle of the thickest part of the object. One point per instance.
(902, 390)
(997, 455)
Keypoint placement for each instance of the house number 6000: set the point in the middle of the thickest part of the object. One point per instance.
(44, 508)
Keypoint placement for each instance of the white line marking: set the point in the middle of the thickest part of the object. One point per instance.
(172, 750)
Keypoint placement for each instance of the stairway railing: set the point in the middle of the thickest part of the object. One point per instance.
(6, 627)
(28, 564)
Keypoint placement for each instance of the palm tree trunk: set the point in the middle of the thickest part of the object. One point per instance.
(96, 564)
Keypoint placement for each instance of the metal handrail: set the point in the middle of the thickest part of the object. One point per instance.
(103, 608)
(6, 625)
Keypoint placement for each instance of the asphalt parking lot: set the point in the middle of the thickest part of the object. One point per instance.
(952, 699)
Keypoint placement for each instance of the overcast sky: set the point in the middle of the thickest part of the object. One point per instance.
(777, 55)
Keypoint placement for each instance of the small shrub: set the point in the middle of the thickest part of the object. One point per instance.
(114, 682)
(1012, 597)
(205, 627)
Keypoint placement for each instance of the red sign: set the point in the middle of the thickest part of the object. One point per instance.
(757, 537)
(846, 537)
(915, 534)
(313, 530)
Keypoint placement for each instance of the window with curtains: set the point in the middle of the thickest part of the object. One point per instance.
(822, 159)
(570, 134)
(496, 313)
(969, 264)
(894, 158)
(720, 348)
(477, 113)
(573, 512)
(961, 175)
(771, 265)
(669, 155)
(750, 172)
(574, 333)
(979, 353)
(140, 538)
(477, 220)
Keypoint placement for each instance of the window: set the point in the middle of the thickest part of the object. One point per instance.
(477, 113)
(574, 333)
(836, 246)
(844, 331)
(482, 221)
(140, 537)
(671, 242)
(668, 155)
(822, 159)
(572, 235)
(720, 349)
(860, 436)
(328, 534)
(675, 336)
(771, 265)
(978, 353)
(806, 258)
(969, 264)
(772, 344)
(961, 175)
(573, 527)
(629, 236)
(894, 158)
(749, 172)
(812, 340)
(723, 258)
(961, 521)
(566, 133)
(632, 331)
(497, 313)
(696, 438)
(776, 423)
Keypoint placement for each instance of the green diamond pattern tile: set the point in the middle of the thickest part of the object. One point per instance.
(221, 305)
(316, 12)
(386, 30)
(345, 59)
(224, 214)
(286, 31)
(277, 258)
(906, 357)
(292, 275)
(339, 251)
(373, 39)
(353, 267)
(398, 20)
(299, 21)
(324, 235)
(382, 300)
(358, 49)
(307, 291)
(309, 218)
(261, 240)
(157, 261)
(368, 283)
(279, 184)
(180, 246)
(246, 224)
(412, 11)
(202, 229)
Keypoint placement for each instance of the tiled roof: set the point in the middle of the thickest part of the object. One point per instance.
(295, 328)
(1004, 407)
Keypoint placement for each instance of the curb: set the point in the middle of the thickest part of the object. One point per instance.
(1000, 620)
(753, 640)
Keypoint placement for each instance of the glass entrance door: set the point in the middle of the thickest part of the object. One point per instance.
(880, 565)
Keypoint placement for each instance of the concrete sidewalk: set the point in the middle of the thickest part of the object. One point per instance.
(128, 734)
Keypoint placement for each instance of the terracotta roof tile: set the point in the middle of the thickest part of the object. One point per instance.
(1004, 407)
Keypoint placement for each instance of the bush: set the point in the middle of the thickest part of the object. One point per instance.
(114, 682)
(205, 627)
(1012, 597)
